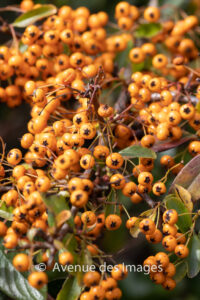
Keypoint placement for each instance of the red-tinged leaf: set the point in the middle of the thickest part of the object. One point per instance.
(194, 188)
(160, 147)
(188, 174)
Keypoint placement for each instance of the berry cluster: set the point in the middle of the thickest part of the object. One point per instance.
(103, 289)
(172, 241)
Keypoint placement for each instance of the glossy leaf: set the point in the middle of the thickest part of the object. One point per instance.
(181, 271)
(71, 243)
(188, 174)
(185, 196)
(122, 57)
(138, 151)
(198, 107)
(134, 231)
(138, 67)
(66, 49)
(13, 284)
(62, 217)
(148, 30)
(56, 203)
(173, 4)
(185, 221)
(35, 15)
(58, 244)
(84, 260)
(6, 215)
(114, 196)
(70, 289)
(193, 260)
(31, 233)
(194, 188)
(150, 213)
(22, 47)
(6, 212)
(51, 219)
(56, 274)
(109, 207)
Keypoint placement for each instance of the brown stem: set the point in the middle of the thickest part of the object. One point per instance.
(122, 101)
(4, 189)
(182, 99)
(15, 42)
(148, 199)
(11, 8)
(187, 85)
(95, 93)
(170, 145)
(50, 298)
(65, 228)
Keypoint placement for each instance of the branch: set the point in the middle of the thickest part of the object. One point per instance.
(170, 145)
(148, 199)
(50, 298)
(65, 228)
(121, 102)
(11, 8)
(184, 99)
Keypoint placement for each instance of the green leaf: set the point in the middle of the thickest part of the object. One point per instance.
(51, 219)
(6, 212)
(71, 243)
(181, 271)
(66, 49)
(84, 260)
(70, 290)
(63, 217)
(193, 260)
(6, 215)
(35, 15)
(109, 207)
(31, 233)
(114, 196)
(135, 230)
(188, 174)
(13, 284)
(55, 203)
(185, 196)
(138, 67)
(198, 106)
(146, 64)
(194, 188)
(22, 47)
(122, 57)
(148, 30)
(173, 2)
(172, 6)
(150, 213)
(43, 292)
(138, 151)
(185, 221)
(56, 274)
